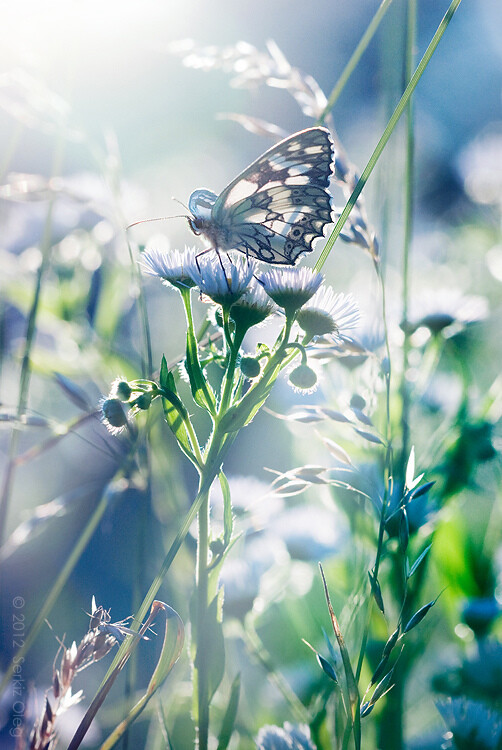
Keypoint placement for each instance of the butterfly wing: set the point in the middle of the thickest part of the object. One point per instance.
(279, 205)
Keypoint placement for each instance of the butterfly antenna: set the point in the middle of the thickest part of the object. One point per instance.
(159, 218)
(180, 202)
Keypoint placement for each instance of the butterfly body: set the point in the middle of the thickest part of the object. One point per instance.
(275, 209)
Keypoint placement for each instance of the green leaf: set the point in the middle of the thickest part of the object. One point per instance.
(175, 413)
(164, 380)
(211, 647)
(369, 436)
(353, 691)
(227, 725)
(241, 414)
(228, 518)
(366, 709)
(418, 491)
(201, 390)
(410, 469)
(382, 687)
(174, 636)
(391, 642)
(404, 529)
(379, 670)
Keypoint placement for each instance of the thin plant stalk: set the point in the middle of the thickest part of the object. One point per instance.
(202, 605)
(391, 721)
(208, 464)
(58, 585)
(389, 128)
(259, 652)
(354, 59)
(113, 183)
(408, 231)
(24, 378)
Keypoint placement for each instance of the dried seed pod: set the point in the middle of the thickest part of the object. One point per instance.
(391, 642)
(377, 591)
(418, 616)
(56, 684)
(326, 667)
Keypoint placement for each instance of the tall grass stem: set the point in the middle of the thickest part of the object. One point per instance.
(354, 59)
(401, 106)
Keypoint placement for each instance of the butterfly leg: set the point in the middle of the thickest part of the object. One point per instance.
(223, 266)
(203, 252)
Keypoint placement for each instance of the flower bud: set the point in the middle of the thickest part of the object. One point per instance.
(303, 377)
(123, 390)
(250, 367)
(143, 402)
(113, 413)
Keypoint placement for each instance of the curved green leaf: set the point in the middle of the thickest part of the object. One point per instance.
(227, 726)
(174, 636)
(175, 413)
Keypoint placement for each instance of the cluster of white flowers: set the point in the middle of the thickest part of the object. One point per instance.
(299, 292)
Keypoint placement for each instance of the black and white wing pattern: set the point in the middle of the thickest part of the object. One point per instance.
(276, 207)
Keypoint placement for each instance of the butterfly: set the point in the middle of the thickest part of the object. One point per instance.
(275, 209)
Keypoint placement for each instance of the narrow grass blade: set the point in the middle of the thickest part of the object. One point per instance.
(401, 106)
(347, 666)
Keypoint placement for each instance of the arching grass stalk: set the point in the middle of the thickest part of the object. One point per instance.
(110, 169)
(354, 59)
(401, 106)
(408, 230)
(58, 585)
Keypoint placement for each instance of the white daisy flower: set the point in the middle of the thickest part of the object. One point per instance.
(224, 284)
(328, 314)
(253, 307)
(172, 267)
(291, 288)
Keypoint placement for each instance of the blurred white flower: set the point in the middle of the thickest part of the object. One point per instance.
(471, 724)
(438, 309)
(310, 532)
(480, 166)
(290, 737)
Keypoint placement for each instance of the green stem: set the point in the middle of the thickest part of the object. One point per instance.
(255, 646)
(197, 379)
(202, 648)
(408, 231)
(277, 361)
(387, 371)
(58, 586)
(25, 375)
(390, 724)
(234, 347)
(213, 462)
(401, 106)
(354, 59)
